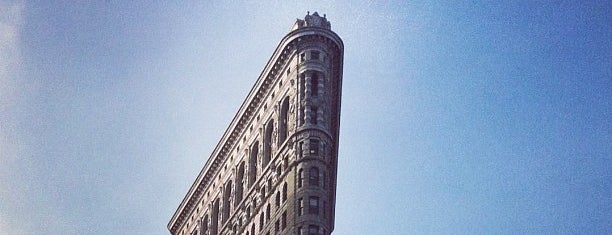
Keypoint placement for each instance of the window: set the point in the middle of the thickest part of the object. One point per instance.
(313, 230)
(284, 220)
(276, 226)
(261, 221)
(204, 225)
(285, 191)
(314, 147)
(239, 184)
(214, 223)
(278, 200)
(314, 84)
(303, 57)
(313, 177)
(324, 209)
(303, 115)
(268, 212)
(314, 115)
(283, 120)
(300, 147)
(253, 163)
(299, 231)
(313, 205)
(268, 144)
(324, 179)
(300, 206)
(253, 229)
(314, 55)
(302, 85)
(300, 177)
(226, 202)
(263, 192)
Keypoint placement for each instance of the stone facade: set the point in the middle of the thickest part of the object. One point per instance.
(274, 170)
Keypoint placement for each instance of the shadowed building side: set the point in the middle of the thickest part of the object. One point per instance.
(274, 170)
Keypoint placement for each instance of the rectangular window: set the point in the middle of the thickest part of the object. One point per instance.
(300, 177)
(314, 85)
(261, 221)
(314, 115)
(313, 230)
(313, 205)
(324, 209)
(314, 147)
(300, 206)
(314, 55)
(300, 146)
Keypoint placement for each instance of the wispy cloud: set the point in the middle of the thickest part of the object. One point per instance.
(11, 21)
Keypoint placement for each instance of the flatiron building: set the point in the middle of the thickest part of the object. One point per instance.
(274, 169)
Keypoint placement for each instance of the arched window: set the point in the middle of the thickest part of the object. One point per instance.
(300, 178)
(226, 202)
(313, 177)
(278, 200)
(283, 121)
(214, 226)
(253, 163)
(204, 226)
(268, 144)
(268, 212)
(239, 184)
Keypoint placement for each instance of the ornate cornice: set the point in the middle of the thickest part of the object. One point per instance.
(247, 112)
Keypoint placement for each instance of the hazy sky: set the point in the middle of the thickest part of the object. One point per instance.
(457, 118)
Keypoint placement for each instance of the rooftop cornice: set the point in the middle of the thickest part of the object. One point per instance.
(243, 117)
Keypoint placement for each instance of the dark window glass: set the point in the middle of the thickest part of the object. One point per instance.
(313, 177)
(314, 55)
(313, 230)
(313, 205)
(314, 147)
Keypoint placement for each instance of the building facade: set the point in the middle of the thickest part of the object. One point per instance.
(274, 169)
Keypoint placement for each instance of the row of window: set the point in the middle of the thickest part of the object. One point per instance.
(313, 55)
(309, 83)
(267, 142)
(314, 206)
(313, 177)
(315, 147)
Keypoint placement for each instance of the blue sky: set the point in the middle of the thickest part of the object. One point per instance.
(457, 118)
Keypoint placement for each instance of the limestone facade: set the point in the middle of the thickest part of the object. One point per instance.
(274, 169)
